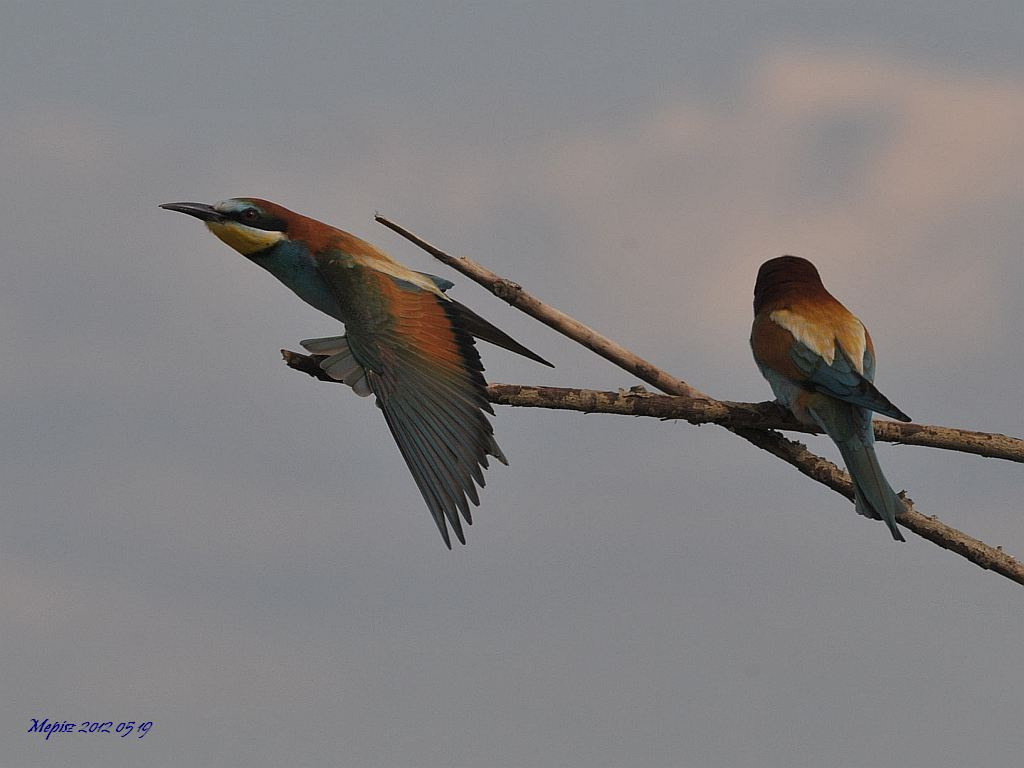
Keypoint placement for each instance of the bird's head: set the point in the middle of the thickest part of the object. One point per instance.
(782, 277)
(247, 224)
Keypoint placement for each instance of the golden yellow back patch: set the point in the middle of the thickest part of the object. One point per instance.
(832, 324)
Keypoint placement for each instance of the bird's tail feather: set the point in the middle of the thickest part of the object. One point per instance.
(874, 497)
(340, 364)
(849, 426)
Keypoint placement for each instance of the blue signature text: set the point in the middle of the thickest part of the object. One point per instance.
(122, 729)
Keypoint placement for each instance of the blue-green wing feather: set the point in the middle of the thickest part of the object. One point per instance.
(842, 381)
(423, 367)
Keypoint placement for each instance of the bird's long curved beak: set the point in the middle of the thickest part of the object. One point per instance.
(199, 210)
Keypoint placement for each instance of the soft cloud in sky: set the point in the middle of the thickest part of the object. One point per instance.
(861, 163)
(195, 535)
(874, 167)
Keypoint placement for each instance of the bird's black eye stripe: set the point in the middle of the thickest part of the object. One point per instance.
(254, 217)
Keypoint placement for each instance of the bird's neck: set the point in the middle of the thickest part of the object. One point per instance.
(783, 293)
(291, 262)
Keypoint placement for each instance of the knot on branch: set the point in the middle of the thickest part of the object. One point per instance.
(638, 390)
(506, 290)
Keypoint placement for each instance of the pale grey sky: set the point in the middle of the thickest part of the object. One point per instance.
(194, 535)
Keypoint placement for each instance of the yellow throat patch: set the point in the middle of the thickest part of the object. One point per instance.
(244, 239)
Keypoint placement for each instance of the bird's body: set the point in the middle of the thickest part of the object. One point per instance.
(820, 362)
(405, 341)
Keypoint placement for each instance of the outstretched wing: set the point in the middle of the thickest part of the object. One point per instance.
(422, 365)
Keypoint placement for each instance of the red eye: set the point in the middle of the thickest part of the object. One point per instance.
(250, 214)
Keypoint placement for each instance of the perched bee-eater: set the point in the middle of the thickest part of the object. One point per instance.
(405, 341)
(820, 363)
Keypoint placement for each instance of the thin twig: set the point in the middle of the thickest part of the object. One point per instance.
(794, 453)
(514, 294)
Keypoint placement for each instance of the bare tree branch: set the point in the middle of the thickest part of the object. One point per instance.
(639, 402)
(754, 422)
(794, 453)
(514, 294)
(925, 526)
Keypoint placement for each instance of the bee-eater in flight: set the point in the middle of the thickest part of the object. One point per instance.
(820, 363)
(405, 341)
